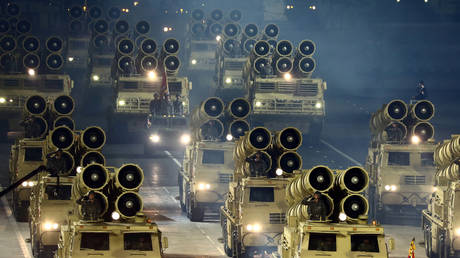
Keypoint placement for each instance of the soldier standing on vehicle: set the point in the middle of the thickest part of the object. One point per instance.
(155, 105)
(257, 165)
(90, 206)
(178, 106)
(394, 133)
(209, 131)
(31, 127)
(316, 207)
(421, 91)
(56, 164)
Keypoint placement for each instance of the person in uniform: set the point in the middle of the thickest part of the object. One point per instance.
(178, 106)
(155, 105)
(267, 70)
(412, 249)
(316, 207)
(31, 127)
(90, 206)
(56, 164)
(421, 91)
(209, 131)
(365, 246)
(257, 166)
(394, 133)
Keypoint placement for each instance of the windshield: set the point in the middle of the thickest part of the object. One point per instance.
(398, 158)
(322, 242)
(213, 157)
(61, 192)
(94, 241)
(33, 154)
(138, 241)
(262, 194)
(364, 243)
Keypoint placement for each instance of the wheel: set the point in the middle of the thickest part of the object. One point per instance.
(427, 243)
(227, 249)
(181, 193)
(197, 214)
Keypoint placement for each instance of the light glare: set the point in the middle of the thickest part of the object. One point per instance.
(31, 72)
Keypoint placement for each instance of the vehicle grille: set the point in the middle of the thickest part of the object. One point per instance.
(277, 218)
(225, 178)
(302, 89)
(308, 89)
(414, 180)
(234, 65)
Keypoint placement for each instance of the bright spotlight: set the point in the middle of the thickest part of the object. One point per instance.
(136, 3)
(193, 61)
(415, 139)
(96, 77)
(24, 184)
(30, 183)
(287, 76)
(115, 215)
(258, 103)
(31, 72)
(154, 138)
(229, 137)
(79, 169)
(228, 80)
(151, 75)
(393, 188)
(121, 102)
(318, 105)
(70, 58)
(2, 100)
(218, 37)
(342, 216)
(185, 139)
(279, 172)
(387, 188)
(165, 29)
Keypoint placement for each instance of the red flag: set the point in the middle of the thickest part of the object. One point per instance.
(164, 83)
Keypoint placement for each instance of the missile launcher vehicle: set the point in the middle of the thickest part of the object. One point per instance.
(440, 223)
(400, 161)
(208, 160)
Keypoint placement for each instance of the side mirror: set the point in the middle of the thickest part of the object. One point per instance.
(164, 242)
(391, 244)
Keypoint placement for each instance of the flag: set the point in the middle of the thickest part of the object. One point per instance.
(164, 90)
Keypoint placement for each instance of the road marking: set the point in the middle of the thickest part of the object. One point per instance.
(216, 245)
(341, 153)
(12, 221)
(174, 159)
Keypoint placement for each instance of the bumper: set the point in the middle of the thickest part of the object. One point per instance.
(261, 241)
(49, 239)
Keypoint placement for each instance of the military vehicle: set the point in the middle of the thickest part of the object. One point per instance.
(203, 34)
(440, 220)
(345, 232)
(50, 202)
(29, 153)
(119, 228)
(137, 80)
(78, 38)
(253, 216)
(400, 161)
(208, 160)
(232, 53)
(280, 88)
(28, 68)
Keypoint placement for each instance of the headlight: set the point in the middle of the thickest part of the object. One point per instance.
(342, 216)
(279, 172)
(457, 231)
(435, 189)
(79, 169)
(318, 105)
(151, 75)
(185, 139)
(121, 102)
(253, 227)
(193, 61)
(204, 186)
(229, 137)
(415, 139)
(50, 226)
(70, 58)
(31, 72)
(228, 80)
(154, 138)
(95, 77)
(391, 188)
(287, 76)
(2, 100)
(258, 103)
(115, 215)
(218, 37)
(28, 183)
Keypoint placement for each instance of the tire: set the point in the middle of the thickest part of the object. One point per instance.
(197, 214)
(428, 244)
(181, 193)
(227, 249)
